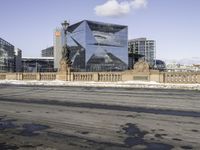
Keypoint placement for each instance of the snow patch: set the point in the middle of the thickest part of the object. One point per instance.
(120, 84)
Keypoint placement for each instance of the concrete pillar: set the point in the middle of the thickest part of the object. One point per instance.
(162, 77)
(18, 76)
(157, 76)
(38, 76)
(68, 74)
(62, 76)
(96, 77)
(71, 76)
(198, 78)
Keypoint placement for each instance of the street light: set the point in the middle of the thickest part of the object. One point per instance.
(65, 26)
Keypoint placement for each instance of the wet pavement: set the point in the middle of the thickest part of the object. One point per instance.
(48, 118)
(136, 137)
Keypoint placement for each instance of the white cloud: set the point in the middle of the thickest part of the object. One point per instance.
(114, 8)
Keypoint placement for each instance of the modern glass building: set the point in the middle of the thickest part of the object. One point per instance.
(48, 52)
(141, 48)
(7, 58)
(18, 60)
(97, 46)
(40, 64)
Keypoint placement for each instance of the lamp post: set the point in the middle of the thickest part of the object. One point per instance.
(65, 26)
(66, 51)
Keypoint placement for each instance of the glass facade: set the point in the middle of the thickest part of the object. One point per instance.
(98, 46)
(48, 52)
(43, 64)
(6, 56)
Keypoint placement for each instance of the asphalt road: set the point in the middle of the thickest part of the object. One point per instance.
(70, 118)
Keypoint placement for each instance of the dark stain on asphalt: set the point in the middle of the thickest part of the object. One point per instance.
(152, 139)
(7, 124)
(133, 130)
(161, 130)
(130, 116)
(158, 146)
(4, 146)
(84, 132)
(164, 134)
(136, 137)
(158, 136)
(194, 130)
(91, 143)
(187, 147)
(31, 129)
(176, 139)
(12, 137)
(27, 146)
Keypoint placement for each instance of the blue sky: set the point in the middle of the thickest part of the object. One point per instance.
(174, 24)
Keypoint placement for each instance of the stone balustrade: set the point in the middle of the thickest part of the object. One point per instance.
(82, 76)
(181, 77)
(29, 76)
(162, 77)
(48, 76)
(141, 72)
(110, 77)
(94, 76)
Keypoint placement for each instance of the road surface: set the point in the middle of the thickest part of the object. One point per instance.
(82, 118)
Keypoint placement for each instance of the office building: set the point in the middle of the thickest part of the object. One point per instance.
(6, 56)
(94, 46)
(40, 64)
(48, 52)
(141, 48)
(58, 45)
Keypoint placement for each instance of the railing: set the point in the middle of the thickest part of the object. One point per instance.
(47, 76)
(83, 76)
(181, 77)
(29, 76)
(113, 76)
(164, 77)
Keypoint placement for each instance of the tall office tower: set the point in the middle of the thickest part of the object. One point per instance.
(6, 56)
(58, 45)
(97, 46)
(141, 48)
(18, 60)
(48, 52)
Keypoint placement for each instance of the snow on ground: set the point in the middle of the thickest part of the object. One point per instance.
(120, 84)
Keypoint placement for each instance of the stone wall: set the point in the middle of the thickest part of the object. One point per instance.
(130, 75)
(28, 76)
(141, 72)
